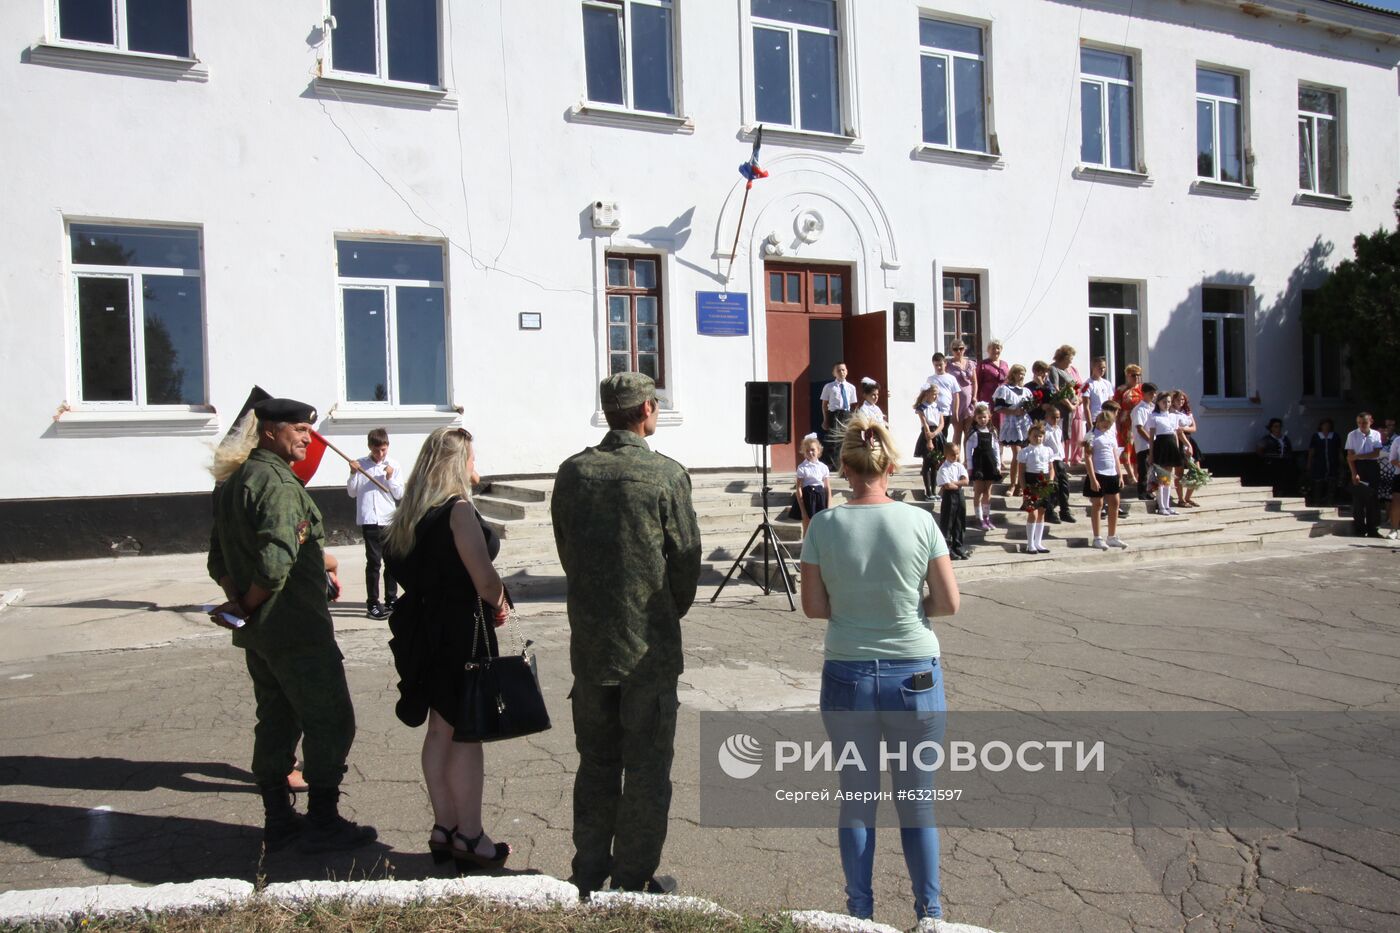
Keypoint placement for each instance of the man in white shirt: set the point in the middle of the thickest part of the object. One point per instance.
(838, 398)
(1142, 441)
(1364, 451)
(373, 510)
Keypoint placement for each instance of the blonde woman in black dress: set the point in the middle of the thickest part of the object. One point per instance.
(440, 553)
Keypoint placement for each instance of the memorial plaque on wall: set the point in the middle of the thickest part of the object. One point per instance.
(904, 321)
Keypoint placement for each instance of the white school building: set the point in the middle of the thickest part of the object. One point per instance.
(413, 213)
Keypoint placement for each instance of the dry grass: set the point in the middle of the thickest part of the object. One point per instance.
(454, 915)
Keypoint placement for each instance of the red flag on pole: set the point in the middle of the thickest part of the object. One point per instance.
(305, 469)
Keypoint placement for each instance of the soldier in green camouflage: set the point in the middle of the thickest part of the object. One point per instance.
(630, 547)
(266, 553)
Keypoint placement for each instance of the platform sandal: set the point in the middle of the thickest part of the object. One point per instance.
(468, 858)
(441, 851)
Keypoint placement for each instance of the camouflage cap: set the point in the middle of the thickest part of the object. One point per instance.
(622, 391)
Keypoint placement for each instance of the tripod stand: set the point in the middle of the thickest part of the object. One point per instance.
(770, 541)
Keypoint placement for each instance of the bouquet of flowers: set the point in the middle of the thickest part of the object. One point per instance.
(1038, 496)
(1194, 476)
(1067, 395)
(1038, 397)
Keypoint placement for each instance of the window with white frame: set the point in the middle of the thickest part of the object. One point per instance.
(393, 40)
(139, 308)
(796, 62)
(952, 63)
(1113, 326)
(1223, 316)
(1322, 359)
(635, 320)
(1107, 121)
(628, 50)
(393, 307)
(1319, 141)
(156, 27)
(1219, 126)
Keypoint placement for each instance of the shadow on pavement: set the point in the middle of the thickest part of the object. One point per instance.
(123, 774)
(151, 849)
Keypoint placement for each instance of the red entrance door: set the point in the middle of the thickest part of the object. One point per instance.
(806, 309)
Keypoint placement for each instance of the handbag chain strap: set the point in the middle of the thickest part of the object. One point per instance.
(512, 623)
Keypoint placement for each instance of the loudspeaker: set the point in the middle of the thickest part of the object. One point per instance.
(767, 412)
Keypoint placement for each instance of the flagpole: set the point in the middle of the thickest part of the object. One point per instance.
(353, 463)
(734, 251)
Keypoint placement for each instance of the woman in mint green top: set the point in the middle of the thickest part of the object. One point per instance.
(864, 568)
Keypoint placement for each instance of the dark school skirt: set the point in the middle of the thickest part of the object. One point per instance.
(923, 450)
(1109, 485)
(984, 464)
(1166, 452)
(813, 500)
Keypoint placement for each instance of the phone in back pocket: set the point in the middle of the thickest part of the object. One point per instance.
(923, 680)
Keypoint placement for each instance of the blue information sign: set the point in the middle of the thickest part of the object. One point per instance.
(722, 314)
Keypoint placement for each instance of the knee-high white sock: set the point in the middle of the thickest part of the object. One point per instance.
(1039, 533)
(1033, 534)
(1164, 498)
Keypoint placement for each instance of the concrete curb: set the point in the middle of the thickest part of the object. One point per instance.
(523, 892)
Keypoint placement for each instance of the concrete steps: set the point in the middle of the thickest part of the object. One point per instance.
(1230, 519)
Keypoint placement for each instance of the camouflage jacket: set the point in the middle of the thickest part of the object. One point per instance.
(268, 531)
(630, 546)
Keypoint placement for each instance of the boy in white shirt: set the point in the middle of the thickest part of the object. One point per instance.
(839, 398)
(1142, 441)
(952, 512)
(373, 510)
(946, 384)
(1098, 389)
(1055, 440)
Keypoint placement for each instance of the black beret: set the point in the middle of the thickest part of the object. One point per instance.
(284, 409)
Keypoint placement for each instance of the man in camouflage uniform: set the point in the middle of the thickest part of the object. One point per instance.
(630, 547)
(265, 551)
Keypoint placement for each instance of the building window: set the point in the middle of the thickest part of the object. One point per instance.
(627, 49)
(1319, 141)
(1223, 341)
(140, 314)
(1322, 360)
(395, 41)
(393, 306)
(1106, 110)
(635, 322)
(1219, 126)
(1113, 326)
(962, 311)
(796, 57)
(157, 27)
(952, 64)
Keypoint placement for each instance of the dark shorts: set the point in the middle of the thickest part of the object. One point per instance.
(1109, 485)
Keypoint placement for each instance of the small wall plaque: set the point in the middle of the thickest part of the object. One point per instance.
(904, 321)
(531, 320)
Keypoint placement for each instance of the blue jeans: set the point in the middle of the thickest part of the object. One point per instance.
(874, 688)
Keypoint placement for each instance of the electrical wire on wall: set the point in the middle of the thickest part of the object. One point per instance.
(453, 243)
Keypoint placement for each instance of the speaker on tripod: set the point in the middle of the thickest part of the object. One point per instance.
(767, 413)
(767, 421)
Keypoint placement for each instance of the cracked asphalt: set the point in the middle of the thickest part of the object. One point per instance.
(125, 736)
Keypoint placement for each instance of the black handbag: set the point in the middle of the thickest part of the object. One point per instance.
(501, 697)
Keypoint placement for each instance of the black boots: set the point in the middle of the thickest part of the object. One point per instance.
(281, 822)
(326, 829)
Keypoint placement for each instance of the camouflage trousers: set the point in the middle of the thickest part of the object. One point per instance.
(296, 693)
(625, 734)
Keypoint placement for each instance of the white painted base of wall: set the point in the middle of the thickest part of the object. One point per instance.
(532, 892)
